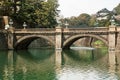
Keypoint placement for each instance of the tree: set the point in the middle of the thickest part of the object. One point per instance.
(37, 13)
(117, 9)
(84, 19)
(75, 22)
(92, 22)
(5, 7)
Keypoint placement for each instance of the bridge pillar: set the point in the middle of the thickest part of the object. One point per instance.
(118, 46)
(11, 38)
(58, 38)
(112, 45)
(118, 40)
(112, 38)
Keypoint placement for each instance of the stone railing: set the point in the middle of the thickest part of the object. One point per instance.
(35, 30)
(3, 31)
(86, 29)
(64, 30)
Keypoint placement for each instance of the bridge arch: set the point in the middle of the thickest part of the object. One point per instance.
(74, 38)
(24, 41)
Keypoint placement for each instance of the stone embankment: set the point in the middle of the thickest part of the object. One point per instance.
(3, 42)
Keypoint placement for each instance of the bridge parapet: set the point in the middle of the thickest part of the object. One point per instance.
(64, 30)
(3, 31)
(35, 30)
(86, 30)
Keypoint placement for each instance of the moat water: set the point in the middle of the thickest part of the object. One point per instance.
(49, 64)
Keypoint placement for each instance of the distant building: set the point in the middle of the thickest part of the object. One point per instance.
(117, 17)
(103, 14)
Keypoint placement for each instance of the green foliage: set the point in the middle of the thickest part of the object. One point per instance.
(81, 21)
(38, 14)
(98, 43)
(104, 23)
(117, 13)
(86, 20)
(5, 8)
(92, 21)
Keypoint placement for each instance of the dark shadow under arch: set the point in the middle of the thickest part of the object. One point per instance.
(71, 40)
(24, 42)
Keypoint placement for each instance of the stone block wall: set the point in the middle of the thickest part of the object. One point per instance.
(3, 42)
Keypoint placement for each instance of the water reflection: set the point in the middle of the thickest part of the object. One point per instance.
(58, 58)
(48, 64)
(58, 63)
(85, 55)
(3, 61)
(87, 65)
(36, 54)
(79, 65)
(38, 65)
(20, 67)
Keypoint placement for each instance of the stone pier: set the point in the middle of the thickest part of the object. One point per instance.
(112, 45)
(112, 38)
(58, 38)
(11, 38)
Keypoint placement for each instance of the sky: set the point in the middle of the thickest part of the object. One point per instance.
(70, 8)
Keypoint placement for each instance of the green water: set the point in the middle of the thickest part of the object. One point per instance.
(50, 64)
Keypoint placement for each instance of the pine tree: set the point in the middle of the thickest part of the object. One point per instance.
(117, 9)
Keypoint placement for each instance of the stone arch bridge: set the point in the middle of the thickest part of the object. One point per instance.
(62, 37)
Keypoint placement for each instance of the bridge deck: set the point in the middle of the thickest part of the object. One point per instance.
(64, 30)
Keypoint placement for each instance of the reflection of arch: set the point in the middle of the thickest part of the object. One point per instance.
(35, 54)
(86, 55)
(26, 40)
(72, 39)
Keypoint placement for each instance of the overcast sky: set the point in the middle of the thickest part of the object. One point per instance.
(76, 7)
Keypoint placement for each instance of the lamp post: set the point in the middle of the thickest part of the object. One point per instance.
(66, 24)
(24, 25)
(58, 21)
(112, 20)
(11, 23)
(96, 24)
